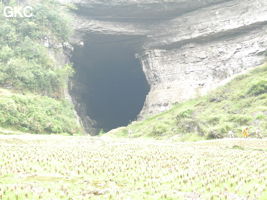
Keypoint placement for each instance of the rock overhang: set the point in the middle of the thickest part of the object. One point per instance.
(187, 45)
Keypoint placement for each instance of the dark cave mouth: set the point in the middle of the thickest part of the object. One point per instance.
(110, 86)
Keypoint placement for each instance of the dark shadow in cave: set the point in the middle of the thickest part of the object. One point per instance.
(112, 84)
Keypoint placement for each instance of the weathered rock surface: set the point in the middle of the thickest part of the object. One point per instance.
(191, 46)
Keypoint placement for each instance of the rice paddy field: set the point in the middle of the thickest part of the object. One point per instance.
(83, 168)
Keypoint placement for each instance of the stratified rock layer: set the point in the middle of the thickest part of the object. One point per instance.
(190, 46)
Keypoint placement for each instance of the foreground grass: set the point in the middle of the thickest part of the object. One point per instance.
(241, 103)
(58, 167)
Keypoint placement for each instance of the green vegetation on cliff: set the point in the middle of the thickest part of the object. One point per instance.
(25, 62)
(28, 69)
(241, 103)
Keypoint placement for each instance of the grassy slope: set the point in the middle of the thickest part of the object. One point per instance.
(31, 81)
(241, 103)
(34, 113)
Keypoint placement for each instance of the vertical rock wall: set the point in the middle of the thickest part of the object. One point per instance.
(201, 50)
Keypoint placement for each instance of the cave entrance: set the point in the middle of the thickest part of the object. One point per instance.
(109, 84)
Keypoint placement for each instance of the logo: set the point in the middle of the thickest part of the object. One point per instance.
(17, 11)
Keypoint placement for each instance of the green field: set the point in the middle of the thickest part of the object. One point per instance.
(80, 167)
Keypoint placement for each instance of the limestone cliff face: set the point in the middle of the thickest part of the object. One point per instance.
(190, 46)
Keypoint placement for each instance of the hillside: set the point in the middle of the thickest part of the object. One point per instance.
(32, 80)
(240, 103)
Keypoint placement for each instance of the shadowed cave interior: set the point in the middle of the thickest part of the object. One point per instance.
(109, 84)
